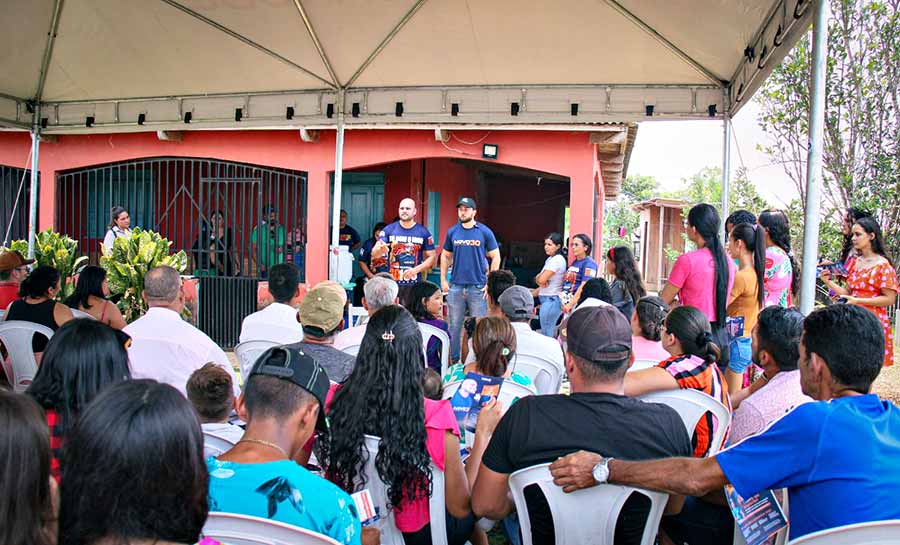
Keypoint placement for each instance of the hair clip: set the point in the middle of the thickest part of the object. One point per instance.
(504, 351)
(388, 336)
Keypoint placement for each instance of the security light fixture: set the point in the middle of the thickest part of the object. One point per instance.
(490, 151)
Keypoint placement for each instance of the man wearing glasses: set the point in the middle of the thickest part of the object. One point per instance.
(13, 269)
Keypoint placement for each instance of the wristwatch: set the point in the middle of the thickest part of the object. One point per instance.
(601, 471)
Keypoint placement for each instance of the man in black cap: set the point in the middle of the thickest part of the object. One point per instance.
(467, 248)
(540, 429)
(283, 404)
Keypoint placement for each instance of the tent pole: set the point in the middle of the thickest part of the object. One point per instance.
(726, 170)
(338, 178)
(814, 158)
(35, 173)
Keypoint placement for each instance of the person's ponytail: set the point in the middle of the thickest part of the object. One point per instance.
(692, 329)
(494, 343)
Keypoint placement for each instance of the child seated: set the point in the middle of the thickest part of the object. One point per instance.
(209, 390)
(432, 386)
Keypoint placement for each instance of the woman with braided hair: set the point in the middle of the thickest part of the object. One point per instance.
(383, 397)
(687, 336)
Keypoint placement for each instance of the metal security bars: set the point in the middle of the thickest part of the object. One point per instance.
(233, 220)
(15, 191)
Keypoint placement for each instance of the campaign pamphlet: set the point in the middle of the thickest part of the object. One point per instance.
(836, 269)
(368, 512)
(735, 326)
(473, 393)
(758, 518)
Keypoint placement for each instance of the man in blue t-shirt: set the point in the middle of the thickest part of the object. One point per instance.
(283, 404)
(839, 457)
(406, 246)
(467, 248)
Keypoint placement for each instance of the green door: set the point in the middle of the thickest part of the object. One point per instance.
(362, 196)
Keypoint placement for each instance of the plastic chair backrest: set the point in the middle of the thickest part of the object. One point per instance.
(235, 529)
(21, 365)
(390, 535)
(429, 331)
(81, 314)
(352, 350)
(247, 353)
(882, 532)
(691, 405)
(642, 364)
(509, 393)
(546, 375)
(585, 516)
(214, 445)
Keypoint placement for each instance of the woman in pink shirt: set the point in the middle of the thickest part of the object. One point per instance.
(383, 397)
(646, 322)
(703, 278)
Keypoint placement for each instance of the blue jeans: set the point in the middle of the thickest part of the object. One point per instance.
(551, 308)
(459, 298)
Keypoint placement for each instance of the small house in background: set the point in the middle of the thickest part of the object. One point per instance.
(661, 227)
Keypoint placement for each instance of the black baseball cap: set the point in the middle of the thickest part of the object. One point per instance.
(599, 334)
(466, 201)
(294, 365)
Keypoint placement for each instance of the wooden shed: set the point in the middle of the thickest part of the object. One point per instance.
(661, 227)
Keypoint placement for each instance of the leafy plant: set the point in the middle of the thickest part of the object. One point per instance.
(129, 260)
(58, 251)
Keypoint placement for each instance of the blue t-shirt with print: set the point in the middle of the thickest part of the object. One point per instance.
(579, 271)
(347, 236)
(470, 248)
(839, 460)
(286, 492)
(406, 249)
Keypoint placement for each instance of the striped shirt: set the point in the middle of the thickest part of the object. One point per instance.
(694, 373)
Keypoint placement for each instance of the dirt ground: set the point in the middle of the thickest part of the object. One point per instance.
(888, 383)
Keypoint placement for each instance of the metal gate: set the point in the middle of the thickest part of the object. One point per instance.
(233, 220)
(15, 189)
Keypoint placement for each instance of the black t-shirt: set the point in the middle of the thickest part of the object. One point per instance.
(540, 429)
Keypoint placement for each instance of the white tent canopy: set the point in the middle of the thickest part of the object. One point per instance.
(87, 66)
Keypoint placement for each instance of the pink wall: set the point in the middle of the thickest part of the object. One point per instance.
(565, 153)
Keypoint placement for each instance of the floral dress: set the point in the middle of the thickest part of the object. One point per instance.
(777, 278)
(868, 283)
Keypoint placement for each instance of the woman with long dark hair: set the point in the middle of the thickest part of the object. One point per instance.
(782, 278)
(550, 283)
(83, 357)
(137, 447)
(213, 251)
(37, 304)
(28, 496)
(627, 288)
(687, 336)
(703, 278)
(90, 295)
(850, 216)
(747, 245)
(425, 302)
(119, 226)
(871, 278)
(582, 269)
(383, 397)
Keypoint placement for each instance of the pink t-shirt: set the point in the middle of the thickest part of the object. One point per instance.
(695, 274)
(645, 349)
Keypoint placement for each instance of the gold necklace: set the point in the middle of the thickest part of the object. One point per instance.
(265, 444)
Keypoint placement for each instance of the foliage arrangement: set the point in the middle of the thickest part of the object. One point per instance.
(58, 251)
(129, 260)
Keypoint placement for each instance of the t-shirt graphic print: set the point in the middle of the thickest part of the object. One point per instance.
(407, 249)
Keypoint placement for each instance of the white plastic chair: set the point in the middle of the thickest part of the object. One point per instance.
(642, 364)
(546, 375)
(588, 515)
(429, 331)
(235, 529)
(390, 535)
(214, 445)
(248, 352)
(81, 314)
(509, 392)
(691, 405)
(20, 365)
(353, 350)
(882, 532)
(356, 316)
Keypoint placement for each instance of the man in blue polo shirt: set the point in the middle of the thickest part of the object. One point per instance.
(408, 247)
(467, 248)
(838, 457)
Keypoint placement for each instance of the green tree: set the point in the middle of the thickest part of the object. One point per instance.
(861, 154)
(706, 186)
(620, 220)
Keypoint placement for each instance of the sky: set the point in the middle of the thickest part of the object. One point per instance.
(673, 150)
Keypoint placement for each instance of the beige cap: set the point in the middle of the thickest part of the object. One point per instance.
(323, 306)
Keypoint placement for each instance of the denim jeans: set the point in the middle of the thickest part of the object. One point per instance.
(551, 308)
(459, 298)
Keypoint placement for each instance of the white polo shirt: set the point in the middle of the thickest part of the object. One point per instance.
(277, 323)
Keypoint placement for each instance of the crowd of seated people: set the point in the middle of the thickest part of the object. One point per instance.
(117, 416)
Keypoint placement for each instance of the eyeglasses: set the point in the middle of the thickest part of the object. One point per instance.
(22, 269)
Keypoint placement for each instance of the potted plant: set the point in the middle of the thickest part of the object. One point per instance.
(58, 251)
